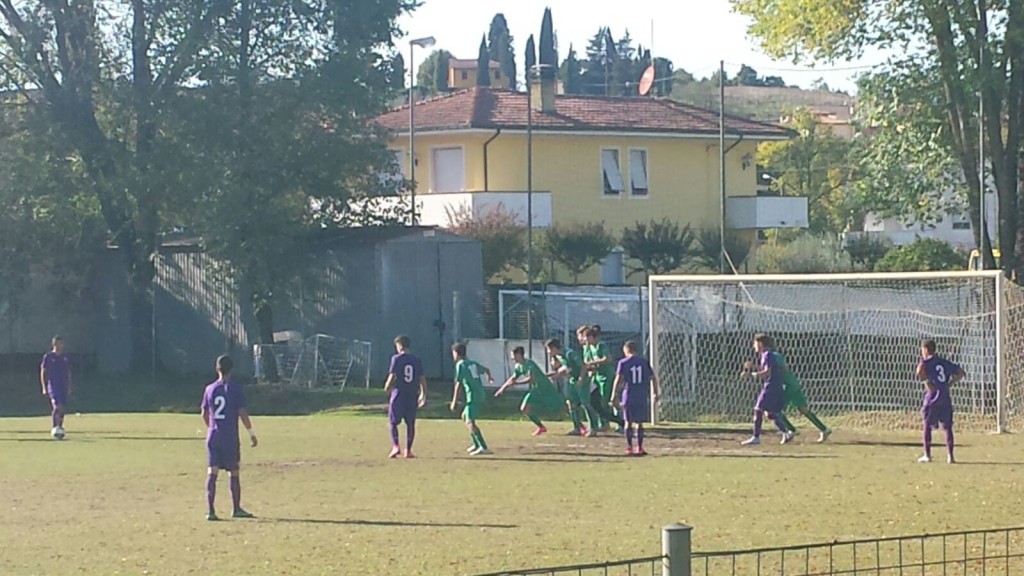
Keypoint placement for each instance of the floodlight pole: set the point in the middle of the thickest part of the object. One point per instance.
(721, 162)
(529, 215)
(983, 229)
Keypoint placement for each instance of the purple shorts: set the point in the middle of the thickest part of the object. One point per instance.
(938, 413)
(58, 394)
(399, 410)
(636, 411)
(223, 455)
(770, 400)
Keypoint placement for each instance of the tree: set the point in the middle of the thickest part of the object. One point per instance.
(708, 248)
(922, 255)
(817, 165)
(397, 77)
(578, 247)
(501, 49)
(866, 250)
(625, 71)
(571, 73)
(502, 236)
(664, 76)
(805, 254)
(530, 60)
(747, 76)
(483, 65)
(432, 77)
(548, 57)
(658, 247)
(973, 47)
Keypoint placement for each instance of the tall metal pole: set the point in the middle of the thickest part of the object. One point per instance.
(529, 214)
(412, 135)
(981, 138)
(721, 167)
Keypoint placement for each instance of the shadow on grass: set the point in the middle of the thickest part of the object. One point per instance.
(391, 523)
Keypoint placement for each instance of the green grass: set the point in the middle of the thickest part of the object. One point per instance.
(124, 495)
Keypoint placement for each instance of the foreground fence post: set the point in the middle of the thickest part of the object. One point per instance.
(676, 548)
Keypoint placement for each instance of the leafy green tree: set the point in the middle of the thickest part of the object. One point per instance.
(974, 47)
(578, 247)
(432, 76)
(597, 68)
(483, 65)
(571, 73)
(530, 60)
(922, 255)
(806, 254)
(659, 247)
(501, 48)
(664, 77)
(708, 248)
(866, 250)
(818, 165)
(501, 234)
(546, 52)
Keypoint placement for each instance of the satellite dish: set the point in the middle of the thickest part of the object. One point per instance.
(647, 81)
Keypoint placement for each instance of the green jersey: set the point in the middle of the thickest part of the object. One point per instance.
(470, 375)
(789, 379)
(605, 372)
(541, 383)
(571, 360)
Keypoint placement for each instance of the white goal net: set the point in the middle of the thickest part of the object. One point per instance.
(852, 339)
(319, 361)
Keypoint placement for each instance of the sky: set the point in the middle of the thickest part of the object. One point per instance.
(694, 34)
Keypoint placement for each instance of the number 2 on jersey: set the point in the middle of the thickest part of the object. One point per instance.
(219, 402)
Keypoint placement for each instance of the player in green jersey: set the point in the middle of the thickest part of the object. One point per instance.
(568, 369)
(793, 394)
(468, 377)
(543, 396)
(598, 362)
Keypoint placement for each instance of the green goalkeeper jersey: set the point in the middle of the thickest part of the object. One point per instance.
(789, 379)
(605, 372)
(571, 360)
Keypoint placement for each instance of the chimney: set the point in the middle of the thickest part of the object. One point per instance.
(542, 93)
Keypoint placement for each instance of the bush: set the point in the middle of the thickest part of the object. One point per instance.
(708, 250)
(807, 254)
(923, 255)
(867, 249)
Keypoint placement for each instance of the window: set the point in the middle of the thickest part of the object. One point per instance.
(448, 170)
(465, 75)
(961, 225)
(638, 172)
(611, 173)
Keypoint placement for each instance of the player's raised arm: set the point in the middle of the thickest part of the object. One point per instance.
(243, 414)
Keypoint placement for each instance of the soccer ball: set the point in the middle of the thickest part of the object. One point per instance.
(57, 433)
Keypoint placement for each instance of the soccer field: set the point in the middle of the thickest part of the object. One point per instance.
(124, 494)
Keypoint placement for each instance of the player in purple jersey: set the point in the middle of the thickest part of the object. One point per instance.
(223, 405)
(641, 387)
(408, 388)
(938, 375)
(771, 400)
(55, 378)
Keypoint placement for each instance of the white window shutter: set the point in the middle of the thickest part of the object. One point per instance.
(612, 173)
(449, 170)
(638, 171)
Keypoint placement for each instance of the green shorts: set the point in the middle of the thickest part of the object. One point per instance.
(793, 397)
(575, 393)
(471, 412)
(544, 402)
(605, 386)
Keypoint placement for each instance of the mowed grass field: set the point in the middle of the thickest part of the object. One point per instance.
(124, 494)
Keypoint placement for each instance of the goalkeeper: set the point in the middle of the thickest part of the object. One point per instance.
(793, 395)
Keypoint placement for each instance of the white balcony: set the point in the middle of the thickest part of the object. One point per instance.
(436, 208)
(764, 212)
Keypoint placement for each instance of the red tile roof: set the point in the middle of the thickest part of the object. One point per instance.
(486, 108)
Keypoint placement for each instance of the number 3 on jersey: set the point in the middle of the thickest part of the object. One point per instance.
(409, 373)
(219, 402)
(940, 374)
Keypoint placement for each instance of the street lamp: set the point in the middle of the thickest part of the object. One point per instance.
(425, 42)
(529, 202)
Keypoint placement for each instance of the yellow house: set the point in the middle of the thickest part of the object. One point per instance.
(595, 159)
(462, 74)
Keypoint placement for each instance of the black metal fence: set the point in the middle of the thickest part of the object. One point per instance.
(992, 552)
(651, 566)
(970, 553)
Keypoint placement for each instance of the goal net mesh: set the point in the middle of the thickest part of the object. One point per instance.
(319, 361)
(852, 340)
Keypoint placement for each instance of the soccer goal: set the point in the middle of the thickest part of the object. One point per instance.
(319, 361)
(852, 339)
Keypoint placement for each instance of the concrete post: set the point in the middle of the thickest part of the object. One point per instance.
(676, 549)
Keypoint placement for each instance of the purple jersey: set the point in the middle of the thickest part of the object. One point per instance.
(939, 372)
(770, 362)
(636, 372)
(222, 400)
(407, 370)
(58, 370)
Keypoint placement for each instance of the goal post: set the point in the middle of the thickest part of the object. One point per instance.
(852, 339)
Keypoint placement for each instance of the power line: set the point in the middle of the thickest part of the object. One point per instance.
(811, 70)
